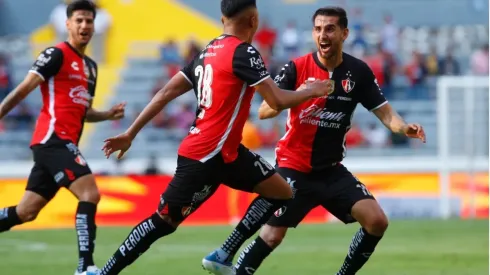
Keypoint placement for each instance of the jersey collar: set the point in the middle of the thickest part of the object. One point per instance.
(320, 64)
(73, 49)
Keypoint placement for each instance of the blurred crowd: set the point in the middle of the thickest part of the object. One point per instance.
(400, 76)
(403, 72)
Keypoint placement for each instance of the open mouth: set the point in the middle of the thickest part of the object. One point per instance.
(84, 35)
(325, 46)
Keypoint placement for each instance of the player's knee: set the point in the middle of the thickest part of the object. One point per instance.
(27, 213)
(274, 188)
(288, 193)
(272, 236)
(377, 224)
(92, 196)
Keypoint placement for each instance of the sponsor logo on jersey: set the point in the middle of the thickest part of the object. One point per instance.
(203, 55)
(257, 63)
(318, 116)
(59, 176)
(80, 95)
(211, 46)
(42, 60)
(74, 66)
(315, 111)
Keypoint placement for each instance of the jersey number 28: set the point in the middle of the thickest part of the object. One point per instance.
(204, 90)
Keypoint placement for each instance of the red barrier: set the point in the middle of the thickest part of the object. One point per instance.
(128, 199)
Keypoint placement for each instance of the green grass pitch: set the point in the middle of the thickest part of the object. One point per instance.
(410, 247)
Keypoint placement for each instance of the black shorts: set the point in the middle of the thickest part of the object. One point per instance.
(194, 181)
(335, 188)
(55, 165)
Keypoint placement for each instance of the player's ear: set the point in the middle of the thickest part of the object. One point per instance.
(222, 20)
(253, 22)
(345, 34)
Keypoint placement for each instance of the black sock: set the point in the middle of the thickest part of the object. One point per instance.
(139, 240)
(86, 233)
(8, 218)
(257, 214)
(252, 257)
(361, 248)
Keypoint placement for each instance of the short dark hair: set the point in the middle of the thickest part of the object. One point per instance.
(83, 5)
(230, 8)
(332, 11)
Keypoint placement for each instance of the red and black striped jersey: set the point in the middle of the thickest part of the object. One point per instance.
(67, 91)
(223, 76)
(316, 129)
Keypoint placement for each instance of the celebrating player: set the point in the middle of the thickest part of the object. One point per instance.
(310, 152)
(224, 77)
(68, 79)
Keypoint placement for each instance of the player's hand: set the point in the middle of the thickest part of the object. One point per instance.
(304, 85)
(414, 130)
(117, 111)
(320, 87)
(119, 143)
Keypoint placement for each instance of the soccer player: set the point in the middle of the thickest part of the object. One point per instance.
(310, 152)
(67, 78)
(224, 77)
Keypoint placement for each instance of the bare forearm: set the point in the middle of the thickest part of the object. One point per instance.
(96, 116)
(395, 123)
(288, 99)
(265, 111)
(30, 82)
(12, 100)
(155, 106)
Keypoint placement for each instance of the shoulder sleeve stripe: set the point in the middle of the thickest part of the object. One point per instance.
(38, 74)
(260, 81)
(183, 74)
(379, 106)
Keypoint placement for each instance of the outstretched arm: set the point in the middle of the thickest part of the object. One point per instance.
(28, 85)
(47, 65)
(395, 123)
(115, 113)
(391, 119)
(176, 87)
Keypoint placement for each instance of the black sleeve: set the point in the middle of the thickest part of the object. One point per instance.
(286, 79)
(48, 63)
(370, 94)
(93, 72)
(187, 72)
(248, 65)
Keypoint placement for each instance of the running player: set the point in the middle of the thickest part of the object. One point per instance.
(224, 77)
(310, 152)
(67, 78)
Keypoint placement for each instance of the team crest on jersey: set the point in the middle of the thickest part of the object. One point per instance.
(80, 160)
(348, 85)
